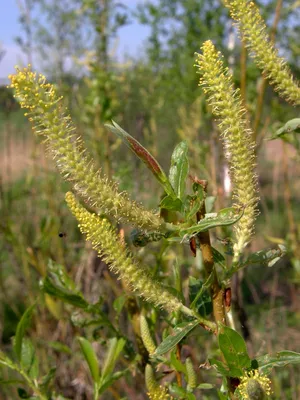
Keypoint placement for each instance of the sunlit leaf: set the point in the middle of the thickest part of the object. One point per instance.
(144, 155)
(179, 169)
(227, 216)
(90, 356)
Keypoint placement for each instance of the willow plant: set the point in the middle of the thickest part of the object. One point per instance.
(243, 377)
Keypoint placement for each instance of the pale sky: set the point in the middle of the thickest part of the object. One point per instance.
(131, 37)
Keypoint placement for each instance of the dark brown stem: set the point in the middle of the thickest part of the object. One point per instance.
(178, 374)
(208, 260)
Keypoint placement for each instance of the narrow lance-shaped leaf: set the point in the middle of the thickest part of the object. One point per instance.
(29, 361)
(179, 169)
(267, 257)
(178, 334)
(110, 379)
(227, 216)
(21, 328)
(144, 155)
(58, 283)
(90, 356)
(48, 286)
(281, 359)
(113, 352)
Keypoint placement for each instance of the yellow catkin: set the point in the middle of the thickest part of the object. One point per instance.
(50, 120)
(105, 240)
(225, 101)
(146, 335)
(155, 391)
(254, 386)
(191, 374)
(253, 32)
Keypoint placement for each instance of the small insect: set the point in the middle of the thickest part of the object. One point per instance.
(62, 234)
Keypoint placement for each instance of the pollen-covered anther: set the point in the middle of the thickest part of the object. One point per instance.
(254, 386)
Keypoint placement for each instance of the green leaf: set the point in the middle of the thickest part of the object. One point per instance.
(61, 275)
(193, 205)
(60, 347)
(28, 360)
(169, 203)
(11, 382)
(179, 169)
(179, 332)
(114, 349)
(21, 328)
(90, 356)
(144, 155)
(220, 367)
(291, 126)
(234, 350)
(227, 216)
(223, 396)
(110, 380)
(178, 390)
(181, 392)
(205, 386)
(46, 379)
(263, 257)
(53, 287)
(177, 364)
(281, 359)
(199, 296)
(218, 257)
(119, 303)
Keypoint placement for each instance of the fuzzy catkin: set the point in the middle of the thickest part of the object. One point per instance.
(105, 240)
(253, 32)
(50, 120)
(146, 335)
(237, 138)
(155, 391)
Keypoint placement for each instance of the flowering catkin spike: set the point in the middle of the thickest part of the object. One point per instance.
(191, 374)
(50, 120)
(105, 240)
(237, 138)
(253, 32)
(146, 335)
(155, 391)
(254, 386)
